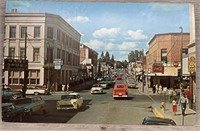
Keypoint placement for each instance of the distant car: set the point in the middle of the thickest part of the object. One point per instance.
(70, 101)
(103, 84)
(131, 83)
(119, 77)
(96, 88)
(120, 90)
(11, 113)
(8, 93)
(35, 90)
(158, 121)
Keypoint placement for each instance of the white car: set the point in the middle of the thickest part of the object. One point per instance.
(96, 88)
(34, 90)
(103, 84)
(70, 101)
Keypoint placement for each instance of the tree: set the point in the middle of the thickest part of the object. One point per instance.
(107, 58)
(136, 55)
(112, 61)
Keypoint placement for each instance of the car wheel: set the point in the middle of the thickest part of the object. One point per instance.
(36, 93)
(14, 96)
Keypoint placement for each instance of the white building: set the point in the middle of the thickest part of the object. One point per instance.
(49, 37)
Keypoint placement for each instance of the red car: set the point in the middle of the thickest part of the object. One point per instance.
(120, 90)
(119, 77)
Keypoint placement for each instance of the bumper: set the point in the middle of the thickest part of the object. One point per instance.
(120, 95)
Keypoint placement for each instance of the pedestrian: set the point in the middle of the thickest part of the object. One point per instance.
(170, 92)
(53, 88)
(174, 106)
(67, 87)
(160, 89)
(183, 101)
(63, 87)
(157, 88)
(154, 89)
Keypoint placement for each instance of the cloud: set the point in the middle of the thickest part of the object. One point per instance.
(167, 7)
(95, 44)
(127, 46)
(136, 35)
(104, 32)
(15, 4)
(79, 19)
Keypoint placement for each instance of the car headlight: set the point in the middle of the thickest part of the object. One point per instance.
(26, 110)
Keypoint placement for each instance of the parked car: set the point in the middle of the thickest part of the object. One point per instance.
(131, 83)
(35, 90)
(8, 93)
(103, 84)
(11, 113)
(158, 121)
(70, 101)
(119, 77)
(32, 105)
(120, 90)
(96, 88)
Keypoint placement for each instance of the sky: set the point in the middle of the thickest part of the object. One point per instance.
(118, 28)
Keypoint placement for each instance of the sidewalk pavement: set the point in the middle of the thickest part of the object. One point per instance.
(76, 88)
(188, 119)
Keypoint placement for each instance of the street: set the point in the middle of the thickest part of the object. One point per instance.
(98, 109)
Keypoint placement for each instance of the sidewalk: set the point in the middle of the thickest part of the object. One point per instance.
(188, 119)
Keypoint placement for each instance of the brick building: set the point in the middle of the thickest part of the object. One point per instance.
(164, 50)
(88, 60)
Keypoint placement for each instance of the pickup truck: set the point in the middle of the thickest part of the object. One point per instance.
(31, 104)
(120, 90)
(12, 113)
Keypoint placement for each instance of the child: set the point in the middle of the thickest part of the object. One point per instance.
(174, 106)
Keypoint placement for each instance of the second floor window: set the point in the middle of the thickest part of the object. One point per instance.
(37, 32)
(36, 54)
(13, 32)
(11, 52)
(22, 53)
(164, 55)
(23, 32)
(50, 32)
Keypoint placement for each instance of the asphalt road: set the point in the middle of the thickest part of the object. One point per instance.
(98, 109)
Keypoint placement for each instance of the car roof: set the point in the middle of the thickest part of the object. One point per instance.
(7, 104)
(159, 120)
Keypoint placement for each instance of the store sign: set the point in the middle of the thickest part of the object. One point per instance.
(58, 63)
(158, 68)
(15, 64)
(192, 63)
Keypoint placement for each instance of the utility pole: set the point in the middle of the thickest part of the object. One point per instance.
(24, 88)
(181, 58)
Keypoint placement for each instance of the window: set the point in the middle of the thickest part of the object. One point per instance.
(22, 53)
(36, 32)
(50, 32)
(13, 32)
(23, 32)
(58, 35)
(11, 52)
(49, 54)
(36, 54)
(164, 55)
(58, 53)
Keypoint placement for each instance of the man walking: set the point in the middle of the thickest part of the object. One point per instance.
(183, 101)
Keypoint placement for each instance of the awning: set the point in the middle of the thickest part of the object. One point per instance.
(159, 74)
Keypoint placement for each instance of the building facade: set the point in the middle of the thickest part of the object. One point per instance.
(88, 60)
(164, 54)
(49, 39)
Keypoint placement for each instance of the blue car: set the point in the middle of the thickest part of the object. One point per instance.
(158, 121)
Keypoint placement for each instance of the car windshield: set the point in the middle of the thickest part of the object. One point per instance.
(120, 86)
(68, 97)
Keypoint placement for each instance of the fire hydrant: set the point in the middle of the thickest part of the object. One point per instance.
(162, 106)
